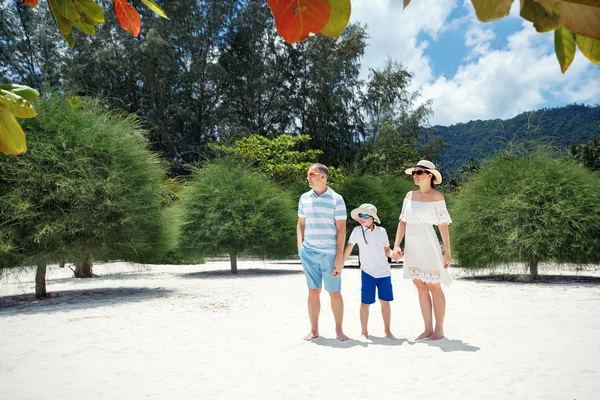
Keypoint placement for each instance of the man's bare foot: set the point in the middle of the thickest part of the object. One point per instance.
(424, 335)
(389, 335)
(341, 337)
(436, 336)
(311, 336)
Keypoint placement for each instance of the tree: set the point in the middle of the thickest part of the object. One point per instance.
(229, 209)
(528, 209)
(588, 154)
(88, 189)
(396, 125)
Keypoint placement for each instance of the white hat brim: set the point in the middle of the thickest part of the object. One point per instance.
(435, 172)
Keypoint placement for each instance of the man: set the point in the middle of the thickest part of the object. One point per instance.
(321, 236)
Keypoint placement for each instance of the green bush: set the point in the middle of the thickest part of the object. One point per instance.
(87, 186)
(229, 209)
(528, 209)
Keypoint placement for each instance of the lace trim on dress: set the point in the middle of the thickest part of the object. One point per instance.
(422, 275)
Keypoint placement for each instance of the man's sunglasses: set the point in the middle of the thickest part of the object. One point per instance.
(420, 172)
(365, 216)
(313, 174)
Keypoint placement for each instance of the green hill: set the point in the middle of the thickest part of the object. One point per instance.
(560, 127)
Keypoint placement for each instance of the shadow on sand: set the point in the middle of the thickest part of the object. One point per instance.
(78, 299)
(448, 345)
(242, 273)
(371, 341)
(542, 279)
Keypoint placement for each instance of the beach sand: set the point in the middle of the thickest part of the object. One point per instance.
(196, 332)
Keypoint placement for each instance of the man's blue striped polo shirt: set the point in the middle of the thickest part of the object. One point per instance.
(321, 212)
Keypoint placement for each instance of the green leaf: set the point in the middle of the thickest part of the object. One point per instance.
(91, 13)
(25, 92)
(151, 4)
(590, 48)
(543, 21)
(66, 8)
(84, 27)
(12, 137)
(338, 19)
(491, 10)
(564, 47)
(16, 105)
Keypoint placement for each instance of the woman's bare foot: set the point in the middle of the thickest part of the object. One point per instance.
(424, 335)
(311, 335)
(341, 336)
(436, 336)
(389, 335)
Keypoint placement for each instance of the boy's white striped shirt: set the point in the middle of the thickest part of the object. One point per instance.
(321, 212)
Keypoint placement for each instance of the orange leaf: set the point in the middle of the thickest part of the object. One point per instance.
(128, 17)
(296, 19)
(30, 3)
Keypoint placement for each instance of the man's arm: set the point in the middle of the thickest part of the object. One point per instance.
(340, 226)
(300, 231)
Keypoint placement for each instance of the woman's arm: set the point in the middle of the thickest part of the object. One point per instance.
(445, 233)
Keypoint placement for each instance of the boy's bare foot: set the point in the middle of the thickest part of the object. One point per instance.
(436, 336)
(389, 335)
(341, 336)
(311, 336)
(424, 335)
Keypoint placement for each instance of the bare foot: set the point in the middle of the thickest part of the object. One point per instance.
(365, 334)
(311, 336)
(424, 335)
(341, 337)
(389, 335)
(436, 336)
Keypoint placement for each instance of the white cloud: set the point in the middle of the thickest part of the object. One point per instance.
(490, 83)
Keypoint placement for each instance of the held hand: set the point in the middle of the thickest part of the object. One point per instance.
(447, 260)
(396, 254)
(338, 267)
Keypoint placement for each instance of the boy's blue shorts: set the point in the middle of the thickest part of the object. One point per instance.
(318, 268)
(368, 285)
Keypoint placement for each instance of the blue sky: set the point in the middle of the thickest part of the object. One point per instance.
(473, 70)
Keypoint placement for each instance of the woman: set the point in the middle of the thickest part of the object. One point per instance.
(423, 260)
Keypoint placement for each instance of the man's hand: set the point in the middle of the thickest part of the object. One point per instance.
(338, 266)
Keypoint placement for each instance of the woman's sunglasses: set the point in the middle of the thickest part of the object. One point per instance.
(420, 172)
(365, 216)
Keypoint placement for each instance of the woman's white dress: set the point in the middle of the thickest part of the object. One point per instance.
(423, 258)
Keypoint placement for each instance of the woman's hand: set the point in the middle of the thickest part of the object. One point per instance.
(396, 254)
(447, 260)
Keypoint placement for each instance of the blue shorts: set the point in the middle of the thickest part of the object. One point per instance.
(368, 285)
(318, 268)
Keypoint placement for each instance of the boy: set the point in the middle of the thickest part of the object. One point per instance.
(376, 273)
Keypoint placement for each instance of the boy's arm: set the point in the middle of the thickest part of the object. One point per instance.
(388, 251)
(348, 250)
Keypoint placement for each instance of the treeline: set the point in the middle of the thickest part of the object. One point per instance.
(217, 71)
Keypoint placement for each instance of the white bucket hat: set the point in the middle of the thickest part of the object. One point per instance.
(430, 167)
(365, 209)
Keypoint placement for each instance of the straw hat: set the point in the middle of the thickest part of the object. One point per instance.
(365, 209)
(430, 167)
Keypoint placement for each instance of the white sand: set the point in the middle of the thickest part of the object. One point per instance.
(181, 332)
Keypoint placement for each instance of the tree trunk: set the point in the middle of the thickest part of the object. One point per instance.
(233, 258)
(40, 281)
(533, 269)
(83, 269)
